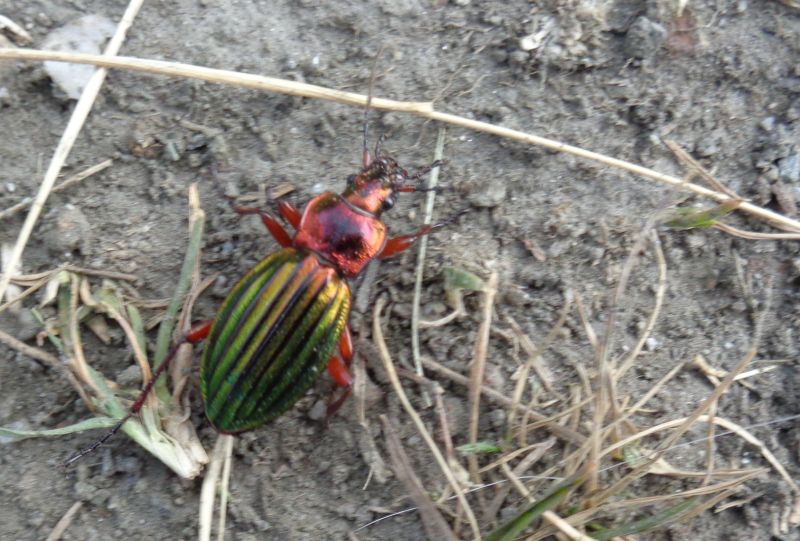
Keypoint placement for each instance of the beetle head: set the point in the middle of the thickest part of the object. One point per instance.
(374, 188)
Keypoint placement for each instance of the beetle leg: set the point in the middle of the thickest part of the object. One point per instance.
(339, 369)
(404, 242)
(271, 222)
(289, 213)
(196, 333)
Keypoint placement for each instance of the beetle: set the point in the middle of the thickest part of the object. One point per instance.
(284, 320)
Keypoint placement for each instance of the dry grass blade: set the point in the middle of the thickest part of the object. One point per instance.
(534, 354)
(534, 455)
(423, 246)
(64, 523)
(477, 369)
(754, 235)
(562, 432)
(219, 456)
(233, 78)
(698, 169)
(86, 173)
(422, 109)
(651, 321)
(435, 525)
(377, 333)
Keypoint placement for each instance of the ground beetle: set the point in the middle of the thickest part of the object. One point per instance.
(282, 322)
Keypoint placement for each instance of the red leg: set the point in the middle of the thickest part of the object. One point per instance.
(272, 224)
(289, 213)
(404, 242)
(339, 369)
(195, 334)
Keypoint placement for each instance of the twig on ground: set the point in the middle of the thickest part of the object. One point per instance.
(435, 525)
(377, 334)
(62, 525)
(477, 369)
(86, 173)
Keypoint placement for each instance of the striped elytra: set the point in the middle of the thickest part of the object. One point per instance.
(273, 335)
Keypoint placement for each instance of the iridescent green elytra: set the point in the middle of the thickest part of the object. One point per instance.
(273, 335)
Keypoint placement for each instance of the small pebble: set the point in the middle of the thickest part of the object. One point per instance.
(318, 411)
(768, 124)
(789, 168)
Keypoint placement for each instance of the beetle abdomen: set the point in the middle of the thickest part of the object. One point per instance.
(273, 336)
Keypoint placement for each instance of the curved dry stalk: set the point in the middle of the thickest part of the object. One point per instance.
(64, 523)
(219, 464)
(533, 355)
(477, 370)
(549, 423)
(651, 322)
(377, 333)
(724, 423)
(76, 121)
(422, 109)
(423, 246)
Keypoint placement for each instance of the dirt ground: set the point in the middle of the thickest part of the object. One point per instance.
(722, 80)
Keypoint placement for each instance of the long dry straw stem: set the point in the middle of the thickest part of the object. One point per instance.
(477, 370)
(422, 109)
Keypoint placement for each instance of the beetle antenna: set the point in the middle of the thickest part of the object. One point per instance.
(365, 158)
(194, 335)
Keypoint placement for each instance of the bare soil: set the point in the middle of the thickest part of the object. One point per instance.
(722, 80)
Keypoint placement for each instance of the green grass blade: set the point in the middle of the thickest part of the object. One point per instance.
(8, 435)
(168, 322)
(479, 447)
(515, 526)
(645, 524)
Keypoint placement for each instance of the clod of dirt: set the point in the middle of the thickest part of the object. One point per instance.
(84, 35)
(486, 194)
(644, 38)
(129, 377)
(71, 232)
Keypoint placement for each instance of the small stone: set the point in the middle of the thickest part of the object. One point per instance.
(768, 124)
(696, 240)
(318, 411)
(497, 418)
(789, 168)
(72, 231)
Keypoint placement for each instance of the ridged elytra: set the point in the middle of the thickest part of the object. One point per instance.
(273, 335)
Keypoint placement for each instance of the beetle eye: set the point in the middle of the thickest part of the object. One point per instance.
(388, 203)
(351, 180)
